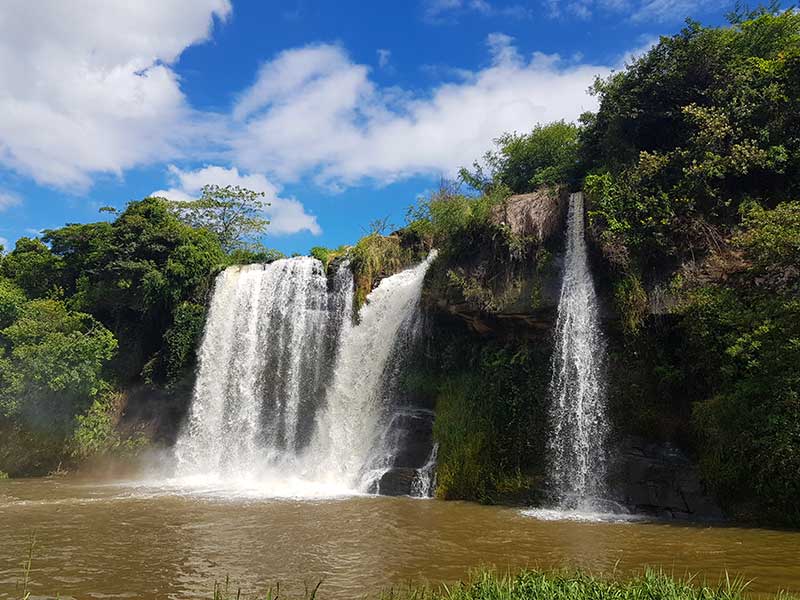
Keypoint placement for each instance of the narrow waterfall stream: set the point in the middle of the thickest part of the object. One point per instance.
(291, 397)
(577, 388)
(425, 482)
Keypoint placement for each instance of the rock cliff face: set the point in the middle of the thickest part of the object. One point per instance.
(538, 216)
(412, 430)
(507, 297)
(659, 480)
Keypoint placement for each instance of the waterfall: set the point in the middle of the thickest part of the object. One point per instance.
(290, 396)
(424, 483)
(577, 387)
(352, 436)
(261, 364)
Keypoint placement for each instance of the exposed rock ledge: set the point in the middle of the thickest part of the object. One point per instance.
(537, 216)
(660, 480)
(498, 298)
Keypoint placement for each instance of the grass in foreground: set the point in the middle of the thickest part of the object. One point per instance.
(542, 585)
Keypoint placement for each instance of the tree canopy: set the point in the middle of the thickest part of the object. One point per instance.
(547, 155)
(235, 215)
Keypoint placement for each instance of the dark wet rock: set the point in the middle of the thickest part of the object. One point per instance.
(414, 430)
(397, 481)
(411, 435)
(659, 479)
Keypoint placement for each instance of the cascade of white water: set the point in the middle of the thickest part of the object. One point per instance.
(351, 442)
(577, 387)
(289, 393)
(258, 377)
(424, 483)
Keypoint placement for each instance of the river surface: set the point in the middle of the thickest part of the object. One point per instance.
(123, 540)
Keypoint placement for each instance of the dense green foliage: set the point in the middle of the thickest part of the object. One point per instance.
(327, 255)
(98, 306)
(694, 159)
(374, 257)
(33, 268)
(692, 169)
(743, 331)
(133, 273)
(490, 403)
(51, 361)
(691, 166)
(700, 124)
(490, 393)
(54, 360)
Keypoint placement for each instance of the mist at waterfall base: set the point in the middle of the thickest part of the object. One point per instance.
(578, 421)
(292, 399)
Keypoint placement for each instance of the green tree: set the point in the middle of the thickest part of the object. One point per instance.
(55, 362)
(133, 273)
(34, 268)
(11, 300)
(699, 125)
(234, 214)
(548, 155)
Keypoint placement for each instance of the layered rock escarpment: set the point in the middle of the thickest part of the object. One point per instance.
(507, 295)
(658, 479)
(512, 294)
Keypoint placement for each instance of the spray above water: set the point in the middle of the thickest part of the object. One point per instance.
(577, 387)
(291, 398)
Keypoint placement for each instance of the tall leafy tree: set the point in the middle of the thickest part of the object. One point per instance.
(33, 267)
(234, 214)
(134, 272)
(55, 360)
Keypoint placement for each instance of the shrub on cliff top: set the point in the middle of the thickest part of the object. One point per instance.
(376, 256)
(547, 155)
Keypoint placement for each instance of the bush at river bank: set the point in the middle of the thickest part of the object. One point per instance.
(535, 584)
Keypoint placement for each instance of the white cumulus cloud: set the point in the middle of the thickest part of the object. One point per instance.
(286, 215)
(87, 85)
(8, 200)
(313, 111)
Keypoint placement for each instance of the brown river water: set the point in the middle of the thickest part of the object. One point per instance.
(100, 540)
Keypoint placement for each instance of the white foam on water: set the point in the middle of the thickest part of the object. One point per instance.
(582, 516)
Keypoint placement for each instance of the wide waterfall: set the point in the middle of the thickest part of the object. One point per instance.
(291, 397)
(577, 387)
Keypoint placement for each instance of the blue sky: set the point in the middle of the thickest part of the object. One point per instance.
(341, 112)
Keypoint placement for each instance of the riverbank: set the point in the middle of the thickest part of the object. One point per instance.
(563, 585)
